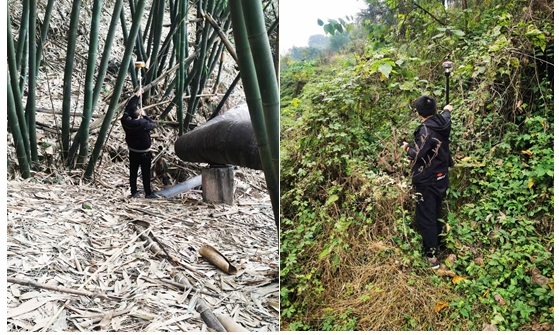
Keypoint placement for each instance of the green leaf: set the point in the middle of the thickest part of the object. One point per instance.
(458, 32)
(320, 22)
(332, 199)
(329, 29)
(385, 69)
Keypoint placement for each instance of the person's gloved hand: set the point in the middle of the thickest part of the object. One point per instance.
(405, 146)
(448, 108)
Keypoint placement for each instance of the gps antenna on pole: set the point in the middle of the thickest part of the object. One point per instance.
(447, 67)
(140, 65)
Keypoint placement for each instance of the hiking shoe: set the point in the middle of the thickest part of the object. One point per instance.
(433, 262)
(151, 196)
(135, 195)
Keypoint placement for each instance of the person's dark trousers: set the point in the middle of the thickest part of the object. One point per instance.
(143, 160)
(428, 211)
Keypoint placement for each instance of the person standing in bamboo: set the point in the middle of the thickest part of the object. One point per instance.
(137, 127)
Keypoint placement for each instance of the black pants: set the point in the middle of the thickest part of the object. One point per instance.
(140, 159)
(428, 211)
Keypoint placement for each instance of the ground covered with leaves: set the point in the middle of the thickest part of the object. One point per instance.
(74, 235)
(351, 255)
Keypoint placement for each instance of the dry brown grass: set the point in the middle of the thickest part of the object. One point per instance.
(376, 287)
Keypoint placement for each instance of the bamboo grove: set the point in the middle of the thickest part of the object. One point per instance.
(182, 44)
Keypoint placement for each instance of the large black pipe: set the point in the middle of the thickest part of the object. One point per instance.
(226, 139)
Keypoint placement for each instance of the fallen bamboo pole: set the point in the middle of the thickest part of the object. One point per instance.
(29, 282)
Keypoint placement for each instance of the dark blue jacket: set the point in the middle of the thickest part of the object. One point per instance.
(430, 153)
(137, 130)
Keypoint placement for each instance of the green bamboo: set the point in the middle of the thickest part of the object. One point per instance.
(68, 70)
(101, 73)
(226, 96)
(195, 87)
(13, 72)
(32, 83)
(44, 31)
(157, 30)
(23, 65)
(23, 36)
(265, 72)
(104, 64)
(149, 28)
(131, 68)
(182, 69)
(130, 42)
(140, 50)
(16, 133)
(254, 101)
(90, 72)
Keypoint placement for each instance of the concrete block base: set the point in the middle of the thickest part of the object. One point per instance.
(218, 185)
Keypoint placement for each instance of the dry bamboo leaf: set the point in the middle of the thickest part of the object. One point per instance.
(26, 307)
(106, 320)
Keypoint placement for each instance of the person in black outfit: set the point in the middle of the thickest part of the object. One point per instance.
(431, 159)
(137, 127)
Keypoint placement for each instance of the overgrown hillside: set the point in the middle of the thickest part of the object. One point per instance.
(351, 255)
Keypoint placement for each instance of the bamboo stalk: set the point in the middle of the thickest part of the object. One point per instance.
(118, 88)
(68, 69)
(23, 65)
(157, 27)
(100, 77)
(254, 101)
(226, 96)
(131, 62)
(32, 83)
(196, 86)
(12, 66)
(222, 36)
(16, 132)
(44, 32)
(88, 95)
(180, 77)
(29, 282)
(23, 28)
(208, 316)
(265, 72)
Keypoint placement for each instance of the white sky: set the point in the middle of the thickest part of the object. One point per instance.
(298, 18)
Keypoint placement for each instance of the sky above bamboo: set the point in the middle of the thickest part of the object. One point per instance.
(299, 18)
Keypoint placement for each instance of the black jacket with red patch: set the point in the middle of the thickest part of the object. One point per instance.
(430, 153)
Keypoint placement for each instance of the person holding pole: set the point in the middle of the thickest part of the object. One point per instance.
(137, 127)
(431, 160)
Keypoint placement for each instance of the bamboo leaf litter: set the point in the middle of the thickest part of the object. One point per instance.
(53, 240)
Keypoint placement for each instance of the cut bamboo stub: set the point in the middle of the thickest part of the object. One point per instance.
(139, 65)
(217, 259)
(230, 325)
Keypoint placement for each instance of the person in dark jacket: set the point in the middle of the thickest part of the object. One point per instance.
(431, 159)
(137, 127)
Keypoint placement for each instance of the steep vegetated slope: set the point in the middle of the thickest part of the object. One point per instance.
(350, 252)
